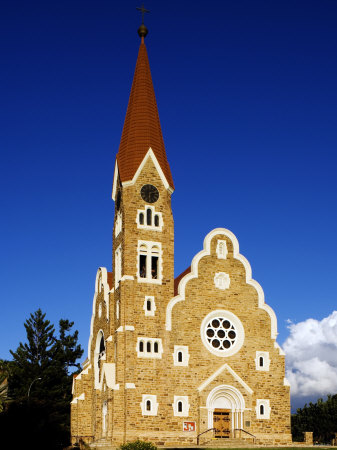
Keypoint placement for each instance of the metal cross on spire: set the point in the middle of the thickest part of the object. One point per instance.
(143, 11)
(142, 30)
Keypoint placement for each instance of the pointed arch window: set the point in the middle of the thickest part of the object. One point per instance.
(99, 357)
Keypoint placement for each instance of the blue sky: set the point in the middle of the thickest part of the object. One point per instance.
(247, 99)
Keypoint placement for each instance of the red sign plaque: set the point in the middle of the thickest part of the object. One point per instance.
(189, 426)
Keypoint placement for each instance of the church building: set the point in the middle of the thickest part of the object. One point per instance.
(175, 361)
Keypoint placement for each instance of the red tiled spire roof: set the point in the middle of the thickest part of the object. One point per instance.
(142, 125)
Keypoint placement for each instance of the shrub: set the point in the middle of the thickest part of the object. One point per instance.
(138, 445)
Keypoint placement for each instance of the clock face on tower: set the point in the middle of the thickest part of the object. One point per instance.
(149, 193)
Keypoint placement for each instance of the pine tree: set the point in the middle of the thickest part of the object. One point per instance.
(40, 381)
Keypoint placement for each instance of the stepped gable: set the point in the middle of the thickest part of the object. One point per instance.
(178, 278)
(141, 128)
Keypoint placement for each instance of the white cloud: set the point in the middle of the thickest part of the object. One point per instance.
(311, 357)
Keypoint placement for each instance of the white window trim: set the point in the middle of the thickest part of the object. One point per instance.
(154, 405)
(185, 404)
(186, 356)
(239, 330)
(267, 409)
(221, 255)
(118, 224)
(152, 354)
(153, 305)
(149, 245)
(266, 361)
(118, 265)
(150, 227)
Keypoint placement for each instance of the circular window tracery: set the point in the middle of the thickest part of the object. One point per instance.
(222, 333)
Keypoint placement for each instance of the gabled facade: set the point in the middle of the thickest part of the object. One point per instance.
(169, 359)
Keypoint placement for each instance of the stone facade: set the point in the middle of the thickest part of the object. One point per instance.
(169, 359)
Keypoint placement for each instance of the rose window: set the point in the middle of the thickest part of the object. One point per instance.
(220, 333)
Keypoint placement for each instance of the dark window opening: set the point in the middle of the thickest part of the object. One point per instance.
(148, 347)
(180, 406)
(154, 267)
(141, 219)
(149, 216)
(148, 405)
(148, 305)
(180, 356)
(261, 361)
(261, 410)
(141, 346)
(142, 266)
(156, 220)
(101, 345)
(156, 347)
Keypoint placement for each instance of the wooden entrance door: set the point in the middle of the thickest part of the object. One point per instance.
(221, 423)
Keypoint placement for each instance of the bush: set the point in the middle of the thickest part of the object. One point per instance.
(138, 445)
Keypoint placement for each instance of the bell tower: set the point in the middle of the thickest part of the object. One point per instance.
(143, 238)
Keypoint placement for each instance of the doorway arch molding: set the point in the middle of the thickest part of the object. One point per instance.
(226, 397)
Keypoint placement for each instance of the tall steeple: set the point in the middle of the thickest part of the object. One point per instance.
(142, 128)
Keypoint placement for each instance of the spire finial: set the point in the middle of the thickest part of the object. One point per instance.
(142, 30)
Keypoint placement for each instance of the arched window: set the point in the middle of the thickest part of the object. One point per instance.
(156, 220)
(261, 361)
(180, 406)
(141, 346)
(141, 218)
(148, 405)
(149, 255)
(180, 357)
(148, 347)
(154, 262)
(149, 217)
(99, 356)
(262, 410)
(143, 261)
(155, 347)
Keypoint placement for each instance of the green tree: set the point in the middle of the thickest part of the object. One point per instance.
(320, 418)
(4, 371)
(40, 381)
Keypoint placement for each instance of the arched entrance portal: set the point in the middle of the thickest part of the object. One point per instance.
(225, 406)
